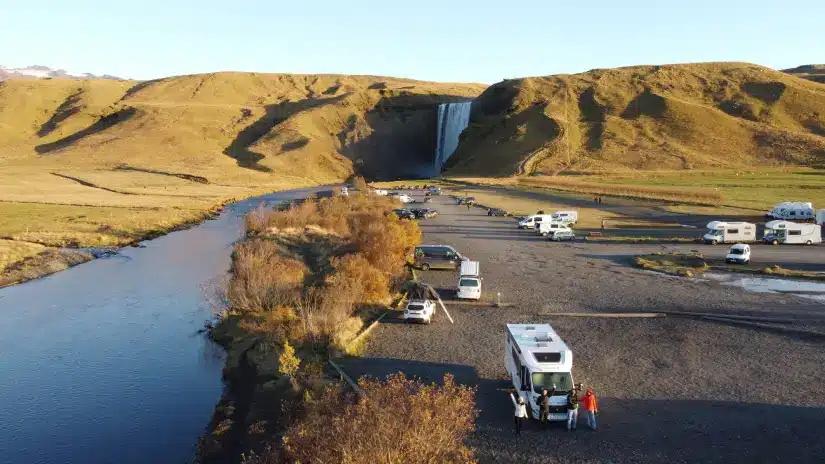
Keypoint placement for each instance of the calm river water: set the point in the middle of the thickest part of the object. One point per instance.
(103, 362)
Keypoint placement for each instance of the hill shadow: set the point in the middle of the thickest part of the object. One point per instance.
(100, 125)
(66, 109)
(273, 115)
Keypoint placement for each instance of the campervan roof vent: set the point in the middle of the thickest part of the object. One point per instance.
(530, 327)
(544, 338)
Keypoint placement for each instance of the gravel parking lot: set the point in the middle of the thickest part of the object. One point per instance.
(675, 389)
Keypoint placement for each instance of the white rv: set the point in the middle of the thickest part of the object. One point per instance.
(786, 232)
(536, 358)
(530, 222)
(792, 211)
(469, 281)
(546, 228)
(730, 232)
(567, 217)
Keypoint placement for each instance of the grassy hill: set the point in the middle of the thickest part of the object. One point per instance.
(812, 72)
(102, 162)
(675, 117)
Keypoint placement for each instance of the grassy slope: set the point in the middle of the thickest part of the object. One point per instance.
(98, 162)
(813, 72)
(675, 117)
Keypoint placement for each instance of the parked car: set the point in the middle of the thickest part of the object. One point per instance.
(404, 214)
(427, 213)
(739, 253)
(437, 257)
(434, 191)
(469, 281)
(561, 234)
(497, 212)
(419, 310)
(465, 200)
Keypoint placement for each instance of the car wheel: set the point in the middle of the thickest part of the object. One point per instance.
(425, 267)
(775, 242)
(747, 261)
(808, 243)
(714, 242)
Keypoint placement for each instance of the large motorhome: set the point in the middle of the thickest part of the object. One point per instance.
(536, 358)
(792, 211)
(786, 232)
(568, 217)
(730, 232)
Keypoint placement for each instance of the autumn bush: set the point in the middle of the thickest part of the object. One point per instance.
(399, 420)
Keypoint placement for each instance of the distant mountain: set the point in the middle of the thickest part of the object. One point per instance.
(812, 72)
(45, 72)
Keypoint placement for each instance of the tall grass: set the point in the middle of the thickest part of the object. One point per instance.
(677, 194)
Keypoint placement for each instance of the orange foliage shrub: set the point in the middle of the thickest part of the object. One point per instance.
(399, 421)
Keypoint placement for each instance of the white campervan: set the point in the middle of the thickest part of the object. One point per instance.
(536, 358)
(567, 217)
(793, 211)
(786, 232)
(546, 228)
(730, 232)
(469, 281)
(530, 222)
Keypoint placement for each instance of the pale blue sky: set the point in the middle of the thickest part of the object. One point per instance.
(447, 40)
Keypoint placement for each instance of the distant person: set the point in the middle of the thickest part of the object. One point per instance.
(590, 408)
(520, 412)
(468, 205)
(600, 200)
(572, 409)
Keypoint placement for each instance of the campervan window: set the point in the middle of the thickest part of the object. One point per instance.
(547, 357)
(733, 231)
(545, 380)
(794, 232)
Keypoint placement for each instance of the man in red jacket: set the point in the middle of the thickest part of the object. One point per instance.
(590, 408)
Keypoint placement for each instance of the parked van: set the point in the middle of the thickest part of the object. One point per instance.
(469, 281)
(730, 232)
(536, 358)
(792, 211)
(545, 228)
(530, 221)
(786, 232)
(567, 217)
(739, 253)
(437, 257)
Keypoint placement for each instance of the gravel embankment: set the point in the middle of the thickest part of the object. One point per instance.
(672, 389)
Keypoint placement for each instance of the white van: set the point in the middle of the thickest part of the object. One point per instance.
(792, 211)
(789, 233)
(567, 217)
(469, 281)
(531, 221)
(730, 232)
(739, 253)
(545, 228)
(536, 358)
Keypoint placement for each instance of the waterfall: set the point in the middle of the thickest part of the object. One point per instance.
(453, 118)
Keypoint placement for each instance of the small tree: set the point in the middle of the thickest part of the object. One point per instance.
(288, 361)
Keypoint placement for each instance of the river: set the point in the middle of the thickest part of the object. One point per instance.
(104, 362)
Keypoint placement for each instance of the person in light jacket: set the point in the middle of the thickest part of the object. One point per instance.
(520, 412)
(590, 407)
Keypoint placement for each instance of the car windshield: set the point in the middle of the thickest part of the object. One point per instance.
(737, 251)
(468, 283)
(545, 381)
(415, 307)
(716, 232)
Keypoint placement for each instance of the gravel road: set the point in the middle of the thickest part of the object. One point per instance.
(674, 389)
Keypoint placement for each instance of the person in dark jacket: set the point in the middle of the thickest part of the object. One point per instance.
(544, 406)
(572, 409)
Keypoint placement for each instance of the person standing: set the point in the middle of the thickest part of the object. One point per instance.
(544, 406)
(590, 408)
(572, 409)
(520, 412)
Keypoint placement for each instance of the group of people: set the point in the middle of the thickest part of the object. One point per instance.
(586, 401)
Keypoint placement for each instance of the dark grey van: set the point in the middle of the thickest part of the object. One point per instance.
(437, 257)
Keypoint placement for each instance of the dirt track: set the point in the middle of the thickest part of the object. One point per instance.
(671, 389)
